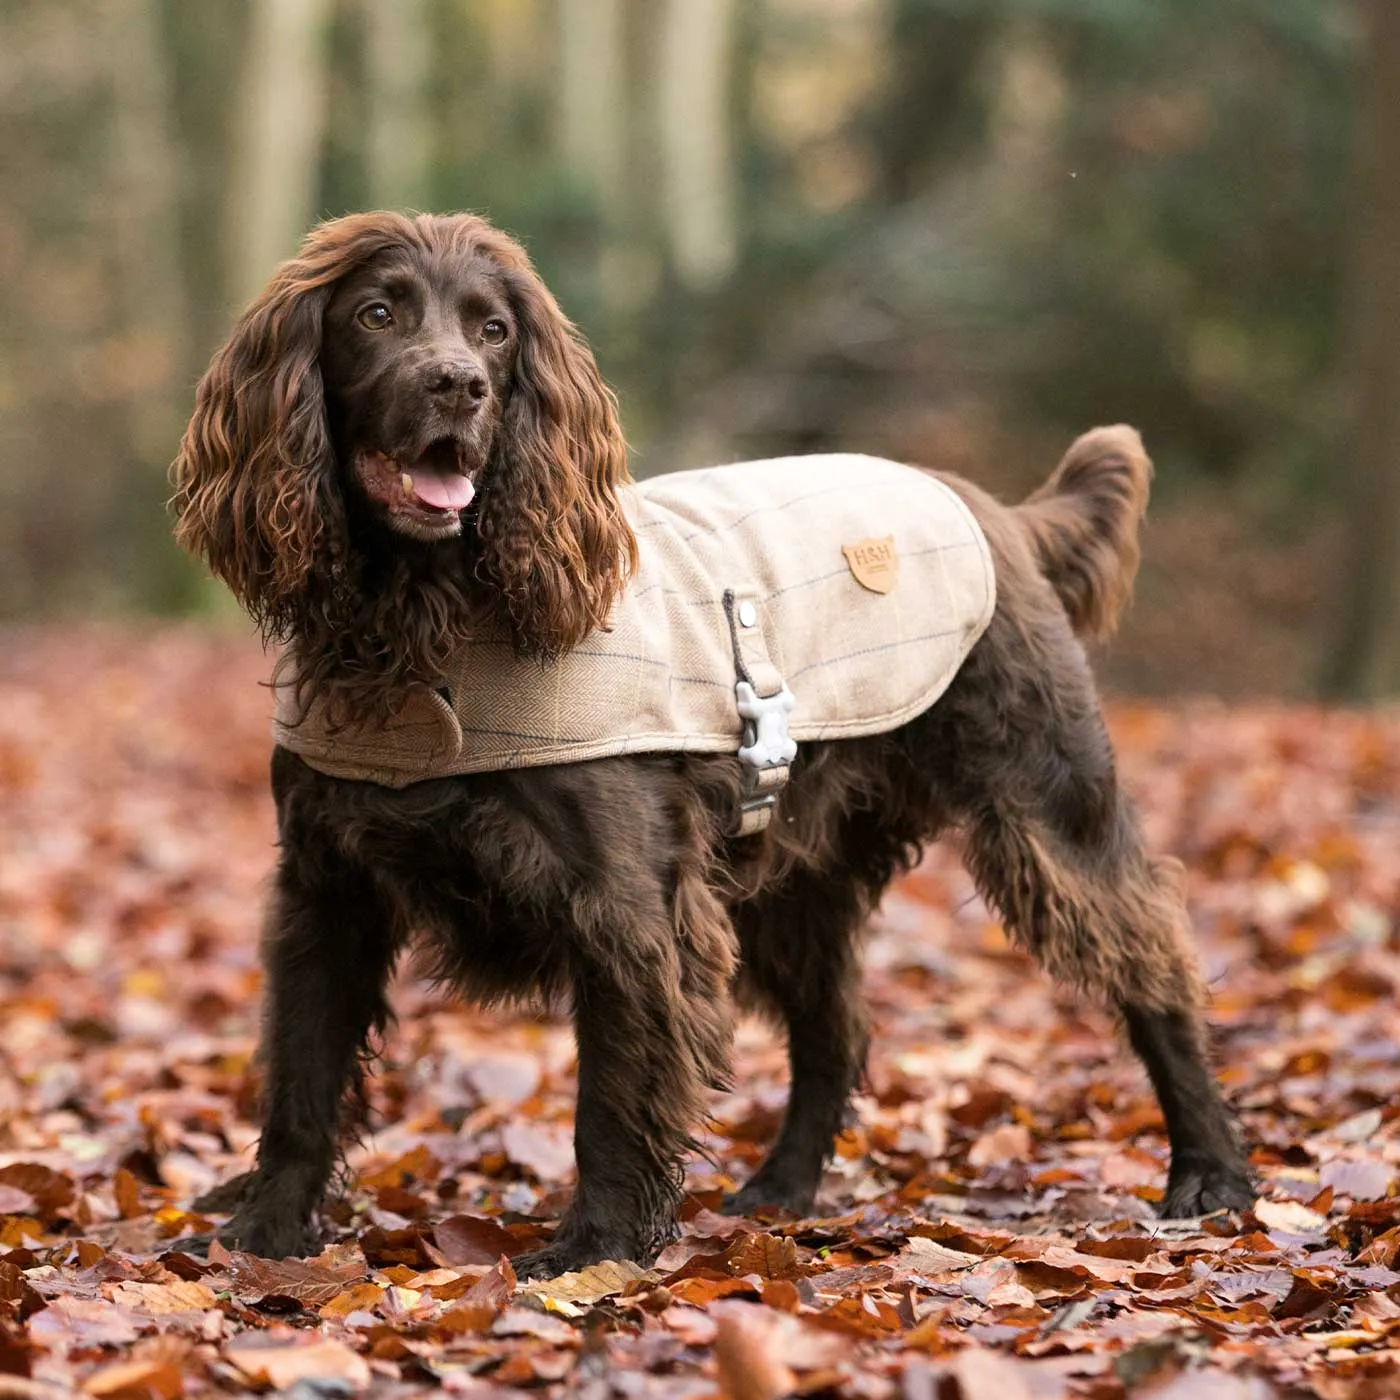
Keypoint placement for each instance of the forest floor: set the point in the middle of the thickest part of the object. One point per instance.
(988, 1226)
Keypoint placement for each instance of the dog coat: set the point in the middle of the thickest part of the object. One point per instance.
(774, 602)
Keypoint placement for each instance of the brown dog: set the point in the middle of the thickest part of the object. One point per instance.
(404, 445)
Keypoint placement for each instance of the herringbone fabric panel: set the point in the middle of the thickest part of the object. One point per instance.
(662, 678)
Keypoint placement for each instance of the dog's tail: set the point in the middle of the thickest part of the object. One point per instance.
(1083, 526)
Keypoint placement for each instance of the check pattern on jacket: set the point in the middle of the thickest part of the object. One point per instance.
(771, 537)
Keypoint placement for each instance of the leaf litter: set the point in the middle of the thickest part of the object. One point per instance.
(987, 1226)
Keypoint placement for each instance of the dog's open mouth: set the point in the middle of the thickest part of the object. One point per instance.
(437, 479)
(423, 495)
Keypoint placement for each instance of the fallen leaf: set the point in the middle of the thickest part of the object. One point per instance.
(768, 1256)
(925, 1256)
(159, 1299)
(746, 1356)
(603, 1280)
(155, 1369)
(50, 1191)
(308, 1283)
(281, 1362)
(546, 1151)
(366, 1296)
(1289, 1216)
(471, 1239)
(986, 1375)
(1362, 1181)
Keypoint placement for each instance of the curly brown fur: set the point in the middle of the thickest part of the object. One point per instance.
(612, 884)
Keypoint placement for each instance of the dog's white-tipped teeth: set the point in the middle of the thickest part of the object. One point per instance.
(406, 479)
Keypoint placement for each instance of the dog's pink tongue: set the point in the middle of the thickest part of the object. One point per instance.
(445, 490)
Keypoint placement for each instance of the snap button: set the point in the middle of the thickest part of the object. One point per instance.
(748, 614)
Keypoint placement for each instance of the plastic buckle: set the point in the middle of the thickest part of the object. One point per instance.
(769, 745)
(767, 751)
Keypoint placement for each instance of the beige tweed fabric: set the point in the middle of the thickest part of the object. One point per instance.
(776, 536)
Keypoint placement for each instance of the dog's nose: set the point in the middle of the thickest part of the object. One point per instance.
(457, 379)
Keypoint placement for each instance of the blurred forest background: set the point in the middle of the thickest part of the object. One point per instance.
(954, 231)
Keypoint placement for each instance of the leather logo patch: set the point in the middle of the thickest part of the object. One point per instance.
(874, 563)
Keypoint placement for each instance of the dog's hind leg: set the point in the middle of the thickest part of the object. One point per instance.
(1057, 848)
(327, 951)
(800, 962)
(1103, 917)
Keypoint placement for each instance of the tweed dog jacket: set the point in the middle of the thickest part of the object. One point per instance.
(813, 597)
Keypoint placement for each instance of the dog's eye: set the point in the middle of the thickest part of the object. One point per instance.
(494, 332)
(375, 317)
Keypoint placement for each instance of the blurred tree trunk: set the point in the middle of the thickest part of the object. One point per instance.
(936, 55)
(692, 90)
(592, 96)
(150, 310)
(398, 158)
(143, 231)
(1366, 661)
(277, 139)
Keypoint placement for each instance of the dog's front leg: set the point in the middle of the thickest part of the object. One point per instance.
(327, 953)
(653, 1034)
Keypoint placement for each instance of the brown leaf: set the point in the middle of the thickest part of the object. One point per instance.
(987, 1375)
(545, 1150)
(17, 1290)
(471, 1239)
(51, 1191)
(747, 1355)
(416, 1165)
(476, 1318)
(928, 1257)
(154, 1369)
(159, 1299)
(768, 1256)
(311, 1284)
(127, 1192)
(481, 1304)
(603, 1280)
(534, 1368)
(700, 1292)
(694, 1327)
(359, 1297)
(281, 1363)
(1290, 1217)
(781, 1294)
(1011, 1142)
(85, 1322)
(1362, 1181)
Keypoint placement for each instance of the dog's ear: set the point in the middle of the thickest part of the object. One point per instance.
(255, 488)
(253, 473)
(554, 537)
(254, 478)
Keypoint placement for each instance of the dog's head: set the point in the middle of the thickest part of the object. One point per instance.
(408, 385)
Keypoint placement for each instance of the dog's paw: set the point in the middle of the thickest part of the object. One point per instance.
(771, 1196)
(550, 1262)
(269, 1238)
(1202, 1188)
(565, 1256)
(540, 1263)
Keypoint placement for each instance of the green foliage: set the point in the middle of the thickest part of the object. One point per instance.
(1190, 268)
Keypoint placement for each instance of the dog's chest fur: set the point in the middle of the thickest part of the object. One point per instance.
(857, 583)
